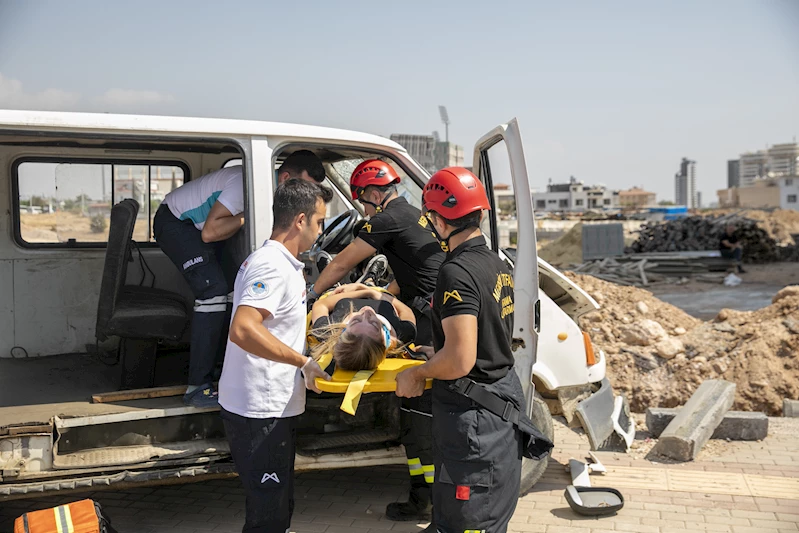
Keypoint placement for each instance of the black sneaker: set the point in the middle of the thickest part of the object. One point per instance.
(375, 270)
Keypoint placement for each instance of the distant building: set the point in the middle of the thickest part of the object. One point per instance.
(782, 160)
(753, 166)
(733, 173)
(636, 197)
(789, 192)
(575, 196)
(427, 151)
(762, 194)
(420, 147)
(448, 154)
(685, 184)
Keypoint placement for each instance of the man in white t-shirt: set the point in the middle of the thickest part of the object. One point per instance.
(261, 390)
(191, 227)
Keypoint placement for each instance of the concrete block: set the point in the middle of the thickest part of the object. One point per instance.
(736, 425)
(790, 408)
(697, 420)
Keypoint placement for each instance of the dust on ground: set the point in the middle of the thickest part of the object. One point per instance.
(658, 354)
(64, 225)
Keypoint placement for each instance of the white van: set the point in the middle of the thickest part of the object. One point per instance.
(58, 432)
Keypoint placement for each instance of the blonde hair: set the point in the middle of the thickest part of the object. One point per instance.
(350, 351)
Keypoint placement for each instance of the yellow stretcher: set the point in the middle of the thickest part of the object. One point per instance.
(354, 384)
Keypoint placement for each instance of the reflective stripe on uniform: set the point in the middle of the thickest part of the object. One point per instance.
(63, 519)
(217, 304)
(429, 473)
(415, 466)
(474, 531)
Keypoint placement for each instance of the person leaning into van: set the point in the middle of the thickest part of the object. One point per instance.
(397, 229)
(261, 390)
(478, 401)
(191, 226)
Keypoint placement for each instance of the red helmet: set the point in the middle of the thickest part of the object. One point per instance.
(371, 172)
(454, 193)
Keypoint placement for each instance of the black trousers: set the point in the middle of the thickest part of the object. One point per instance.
(263, 451)
(478, 460)
(729, 253)
(201, 266)
(416, 415)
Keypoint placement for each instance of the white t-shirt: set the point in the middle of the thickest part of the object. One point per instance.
(193, 200)
(251, 386)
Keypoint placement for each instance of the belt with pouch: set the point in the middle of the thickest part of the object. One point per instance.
(536, 445)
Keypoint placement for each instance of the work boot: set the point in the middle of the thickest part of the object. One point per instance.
(375, 270)
(741, 270)
(418, 507)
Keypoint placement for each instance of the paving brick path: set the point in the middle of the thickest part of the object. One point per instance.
(721, 491)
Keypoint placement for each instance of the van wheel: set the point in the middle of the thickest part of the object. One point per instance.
(532, 470)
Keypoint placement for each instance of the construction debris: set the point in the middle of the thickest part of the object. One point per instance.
(790, 408)
(753, 349)
(697, 233)
(638, 271)
(736, 425)
(693, 426)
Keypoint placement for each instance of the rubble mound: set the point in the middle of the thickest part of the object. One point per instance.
(566, 249)
(697, 233)
(658, 355)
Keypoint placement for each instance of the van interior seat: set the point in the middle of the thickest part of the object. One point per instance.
(140, 316)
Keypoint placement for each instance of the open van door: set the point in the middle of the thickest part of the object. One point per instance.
(500, 164)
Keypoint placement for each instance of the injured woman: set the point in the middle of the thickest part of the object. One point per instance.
(360, 326)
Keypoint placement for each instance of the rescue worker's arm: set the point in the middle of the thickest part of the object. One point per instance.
(346, 260)
(727, 244)
(247, 331)
(221, 224)
(324, 306)
(457, 357)
(393, 288)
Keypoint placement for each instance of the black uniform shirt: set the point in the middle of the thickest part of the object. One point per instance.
(475, 281)
(414, 255)
(732, 239)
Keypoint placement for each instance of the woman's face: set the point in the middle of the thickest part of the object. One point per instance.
(366, 322)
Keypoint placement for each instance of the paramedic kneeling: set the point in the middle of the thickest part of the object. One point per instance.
(261, 390)
(477, 454)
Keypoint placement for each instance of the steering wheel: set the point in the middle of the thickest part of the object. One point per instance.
(335, 233)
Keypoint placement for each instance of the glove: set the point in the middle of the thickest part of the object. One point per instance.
(310, 371)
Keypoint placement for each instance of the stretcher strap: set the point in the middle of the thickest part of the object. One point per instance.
(354, 391)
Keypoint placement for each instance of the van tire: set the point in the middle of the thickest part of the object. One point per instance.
(532, 470)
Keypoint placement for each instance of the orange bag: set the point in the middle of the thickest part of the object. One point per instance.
(84, 516)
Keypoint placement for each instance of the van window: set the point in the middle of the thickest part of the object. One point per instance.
(69, 202)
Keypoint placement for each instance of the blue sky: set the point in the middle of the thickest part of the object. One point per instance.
(612, 92)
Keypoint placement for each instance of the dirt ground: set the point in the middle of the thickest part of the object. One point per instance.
(658, 354)
(64, 225)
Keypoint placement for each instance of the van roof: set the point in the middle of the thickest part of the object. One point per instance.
(105, 122)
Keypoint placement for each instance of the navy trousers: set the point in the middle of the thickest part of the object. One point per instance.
(201, 266)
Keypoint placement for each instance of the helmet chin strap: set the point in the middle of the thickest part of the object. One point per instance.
(378, 207)
(444, 243)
